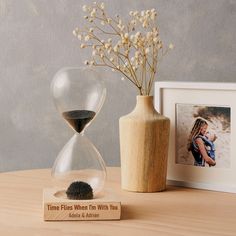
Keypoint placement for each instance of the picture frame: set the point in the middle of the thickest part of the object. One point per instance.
(185, 103)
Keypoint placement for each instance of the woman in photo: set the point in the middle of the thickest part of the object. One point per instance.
(197, 143)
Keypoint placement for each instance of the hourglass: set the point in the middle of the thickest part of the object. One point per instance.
(79, 170)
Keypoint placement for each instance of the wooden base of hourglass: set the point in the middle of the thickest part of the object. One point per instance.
(58, 208)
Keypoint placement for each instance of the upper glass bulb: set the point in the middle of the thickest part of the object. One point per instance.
(78, 95)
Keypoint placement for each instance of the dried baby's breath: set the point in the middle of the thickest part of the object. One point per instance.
(133, 48)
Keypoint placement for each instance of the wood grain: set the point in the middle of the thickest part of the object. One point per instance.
(144, 136)
(176, 211)
(57, 207)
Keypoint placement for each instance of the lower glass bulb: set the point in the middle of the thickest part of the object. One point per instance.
(78, 167)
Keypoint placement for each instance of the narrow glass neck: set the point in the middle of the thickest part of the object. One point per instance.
(80, 134)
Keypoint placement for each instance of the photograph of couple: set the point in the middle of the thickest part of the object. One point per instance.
(203, 135)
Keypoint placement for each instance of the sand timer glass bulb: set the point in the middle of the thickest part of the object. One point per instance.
(79, 170)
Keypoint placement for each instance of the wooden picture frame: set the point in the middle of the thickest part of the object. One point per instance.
(183, 103)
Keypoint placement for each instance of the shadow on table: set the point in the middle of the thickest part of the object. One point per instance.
(171, 188)
(145, 203)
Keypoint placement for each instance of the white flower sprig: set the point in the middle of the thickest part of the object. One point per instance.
(133, 49)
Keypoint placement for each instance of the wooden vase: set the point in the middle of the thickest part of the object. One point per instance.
(144, 138)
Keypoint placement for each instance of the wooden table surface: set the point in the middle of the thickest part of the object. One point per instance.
(176, 211)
